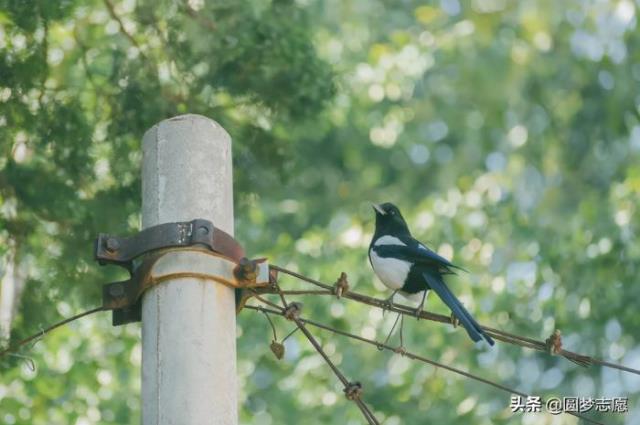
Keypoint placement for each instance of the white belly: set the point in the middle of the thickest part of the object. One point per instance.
(392, 272)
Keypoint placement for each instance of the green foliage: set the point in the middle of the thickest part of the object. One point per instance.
(507, 132)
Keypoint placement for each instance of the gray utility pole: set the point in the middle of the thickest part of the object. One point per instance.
(188, 324)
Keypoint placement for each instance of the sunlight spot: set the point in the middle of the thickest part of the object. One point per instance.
(330, 349)
(112, 27)
(20, 152)
(104, 377)
(476, 219)
(93, 414)
(606, 80)
(542, 41)
(368, 332)
(625, 12)
(133, 52)
(464, 28)
(393, 91)
(329, 399)
(613, 330)
(383, 136)
(136, 355)
(616, 351)
(398, 365)
(604, 245)
(466, 405)
(518, 135)
(196, 4)
(475, 244)
(5, 94)
(584, 309)
(622, 217)
(19, 42)
(473, 199)
(419, 154)
(375, 315)
(376, 92)
(437, 130)
(486, 253)
(546, 291)
(592, 250)
(55, 56)
(352, 237)
(522, 271)
(289, 206)
(424, 220)
(446, 251)
(426, 39)
(365, 72)
(337, 310)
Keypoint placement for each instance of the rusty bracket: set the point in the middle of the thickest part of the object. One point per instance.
(110, 249)
(207, 245)
(125, 297)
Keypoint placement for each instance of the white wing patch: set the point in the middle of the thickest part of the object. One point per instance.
(391, 271)
(389, 240)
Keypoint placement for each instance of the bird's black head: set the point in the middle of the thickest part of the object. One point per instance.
(389, 220)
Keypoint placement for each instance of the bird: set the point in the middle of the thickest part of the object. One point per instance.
(406, 265)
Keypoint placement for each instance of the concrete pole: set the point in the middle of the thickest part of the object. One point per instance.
(188, 324)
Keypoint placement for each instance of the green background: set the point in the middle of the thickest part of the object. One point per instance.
(507, 132)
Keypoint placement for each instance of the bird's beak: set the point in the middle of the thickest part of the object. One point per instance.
(378, 209)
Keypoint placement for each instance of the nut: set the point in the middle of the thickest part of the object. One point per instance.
(112, 244)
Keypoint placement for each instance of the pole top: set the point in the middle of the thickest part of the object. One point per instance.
(192, 120)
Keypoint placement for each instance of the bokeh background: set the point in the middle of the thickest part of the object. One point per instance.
(507, 132)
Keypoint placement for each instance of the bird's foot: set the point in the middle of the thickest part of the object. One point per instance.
(455, 321)
(387, 304)
(420, 308)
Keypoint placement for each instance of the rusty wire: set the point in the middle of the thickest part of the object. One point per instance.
(291, 311)
(410, 355)
(13, 347)
(498, 334)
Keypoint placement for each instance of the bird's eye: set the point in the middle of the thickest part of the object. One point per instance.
(392, 212)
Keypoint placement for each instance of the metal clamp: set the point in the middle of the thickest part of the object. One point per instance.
(189, 249)
(110, 249)
(125, 298)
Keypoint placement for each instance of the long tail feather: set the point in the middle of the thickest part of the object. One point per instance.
(476, 333)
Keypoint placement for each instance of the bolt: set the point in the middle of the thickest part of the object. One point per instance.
(203, 230)
(247, 265)
(116, 290)
(112, 244)
(246, 271)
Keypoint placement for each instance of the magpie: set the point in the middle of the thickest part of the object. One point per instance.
(407, 266)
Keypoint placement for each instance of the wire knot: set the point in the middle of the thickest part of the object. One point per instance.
(554, 343)
(400, 350)
(292, 312)
(341, 286)
(455, 321)
(353, 390)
